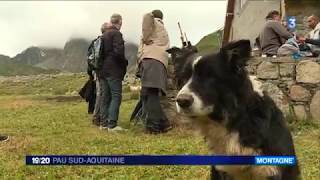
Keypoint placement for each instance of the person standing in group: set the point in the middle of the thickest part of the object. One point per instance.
(110, 76)
(152, 69)
(98, 101)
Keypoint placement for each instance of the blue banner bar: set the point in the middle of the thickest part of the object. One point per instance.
(275, 160)
(158, 160)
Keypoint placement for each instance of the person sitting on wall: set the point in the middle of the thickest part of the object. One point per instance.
(273, 34)
(313, 40)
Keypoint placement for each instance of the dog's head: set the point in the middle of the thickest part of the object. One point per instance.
(181, 58)
(215, 82)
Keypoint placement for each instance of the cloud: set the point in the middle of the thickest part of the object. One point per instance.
(52, 23)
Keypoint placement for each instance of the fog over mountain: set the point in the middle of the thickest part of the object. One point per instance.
(53, 23)
(71, 58)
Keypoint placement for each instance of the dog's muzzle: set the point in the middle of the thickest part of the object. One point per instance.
(185, 101)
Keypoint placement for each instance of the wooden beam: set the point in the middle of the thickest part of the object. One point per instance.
(228, 22)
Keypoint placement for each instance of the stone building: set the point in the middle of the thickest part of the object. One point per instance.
(245, 18)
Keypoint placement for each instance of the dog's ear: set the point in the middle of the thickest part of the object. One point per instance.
(236, 53)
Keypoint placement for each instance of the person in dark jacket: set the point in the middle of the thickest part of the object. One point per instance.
(113, 69)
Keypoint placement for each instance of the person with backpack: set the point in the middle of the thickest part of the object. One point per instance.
(111, 74)
(152, 69)
(95, 60)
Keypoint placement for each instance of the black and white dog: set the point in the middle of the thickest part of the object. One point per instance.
(232, 113)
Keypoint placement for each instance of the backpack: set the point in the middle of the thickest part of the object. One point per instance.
(94, 55)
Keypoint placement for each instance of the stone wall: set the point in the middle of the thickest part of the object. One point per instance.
(293, 85)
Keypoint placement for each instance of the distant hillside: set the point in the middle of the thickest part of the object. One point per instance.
(74, 55)
(210, 42)
(131, 54)
(9, 68)
(72, 58)
(4, 59)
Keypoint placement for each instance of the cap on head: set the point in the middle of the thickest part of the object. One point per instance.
(157, 14)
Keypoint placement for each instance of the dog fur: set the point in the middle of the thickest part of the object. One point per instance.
(231, 111)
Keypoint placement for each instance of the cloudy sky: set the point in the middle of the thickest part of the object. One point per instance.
(52, 23)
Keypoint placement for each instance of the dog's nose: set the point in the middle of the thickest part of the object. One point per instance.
(184, 100)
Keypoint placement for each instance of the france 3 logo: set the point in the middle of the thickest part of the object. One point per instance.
(291, 20)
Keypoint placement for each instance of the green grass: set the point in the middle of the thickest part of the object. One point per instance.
(35, 128)
(38, 125)
(55, 85)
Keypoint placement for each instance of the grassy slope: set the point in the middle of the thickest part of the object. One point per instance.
(55, 85)
(13, 69)
(209, 43)
(41, 126)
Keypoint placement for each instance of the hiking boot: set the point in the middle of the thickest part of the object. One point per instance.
(168, 128)
(96, 121)
(117, 129)
(157, 131)
(103, 125)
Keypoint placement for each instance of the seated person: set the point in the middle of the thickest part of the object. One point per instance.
(313, 40)
(273, 34)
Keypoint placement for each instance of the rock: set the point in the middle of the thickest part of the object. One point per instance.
(308, 72)
(298, 93)
(286, 69)
(267, 70)
(277, 95)
(300, 112)
(136, 88)
(315, 106)
(255, 61)
(74, 93)
(251, 69)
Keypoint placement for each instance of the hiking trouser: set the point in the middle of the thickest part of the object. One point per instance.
(156, 120)
(96, 112)
(111, 94)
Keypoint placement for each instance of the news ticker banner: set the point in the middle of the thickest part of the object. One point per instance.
(158, 160)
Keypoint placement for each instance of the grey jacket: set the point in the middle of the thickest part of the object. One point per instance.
(273, 35)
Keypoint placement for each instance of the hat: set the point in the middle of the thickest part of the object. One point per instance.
(157, 14)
